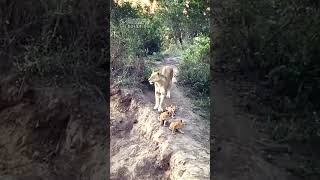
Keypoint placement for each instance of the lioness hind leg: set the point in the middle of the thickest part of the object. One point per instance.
(168, 94)
(169, 90)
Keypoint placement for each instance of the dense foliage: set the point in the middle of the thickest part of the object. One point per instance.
(174, 25)
(63, 40)
(279, 41)
(130, 43)
(194, 70)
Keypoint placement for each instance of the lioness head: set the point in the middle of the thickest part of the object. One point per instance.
(155, 76)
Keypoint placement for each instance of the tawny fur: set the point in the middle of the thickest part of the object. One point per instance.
(162, 83)
(164, 116)
(177, 126)
(172, 109)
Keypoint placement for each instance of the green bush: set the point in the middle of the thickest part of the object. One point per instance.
(156, 57)
(194, 71)
(279, 41)
(198, 51)
(55, 39)
(130, 46)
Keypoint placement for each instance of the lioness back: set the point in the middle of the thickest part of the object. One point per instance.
(167, 71)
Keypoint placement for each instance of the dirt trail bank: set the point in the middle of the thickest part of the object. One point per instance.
(142, 149)
(50, 133)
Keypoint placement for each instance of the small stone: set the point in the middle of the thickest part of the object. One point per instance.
(83, 168)
(35, 154)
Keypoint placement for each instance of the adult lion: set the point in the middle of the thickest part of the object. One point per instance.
(162, 84)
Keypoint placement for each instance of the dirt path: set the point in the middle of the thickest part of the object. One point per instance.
(239, 156)
(154, 152)
(185, 106)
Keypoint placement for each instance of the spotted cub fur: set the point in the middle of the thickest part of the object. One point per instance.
(172, 109)
(177, 126)
(164, 116)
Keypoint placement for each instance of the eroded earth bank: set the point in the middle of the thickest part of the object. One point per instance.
(142, 149)
(50, 133)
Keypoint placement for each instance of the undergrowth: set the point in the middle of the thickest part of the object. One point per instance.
(194, 69)
(194, 72)
(278, 42)
(61, 42)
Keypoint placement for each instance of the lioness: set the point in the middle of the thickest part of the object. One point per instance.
(162, 84)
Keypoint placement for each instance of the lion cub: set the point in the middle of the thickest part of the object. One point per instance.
(176, 126)
(172, 109)
(164, 116)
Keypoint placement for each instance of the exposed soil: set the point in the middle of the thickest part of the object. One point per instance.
(142, 149)
(50, 133)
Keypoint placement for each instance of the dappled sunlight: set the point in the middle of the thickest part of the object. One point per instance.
(146, 5)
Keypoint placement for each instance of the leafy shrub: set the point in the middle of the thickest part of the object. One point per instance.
(156, 57)
(278, 40)
(56, 39)
(198, 51)
(194, 71)
(130, 45)
(147, 72)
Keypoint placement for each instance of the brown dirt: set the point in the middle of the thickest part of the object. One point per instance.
(49, 133)
(142, 149)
